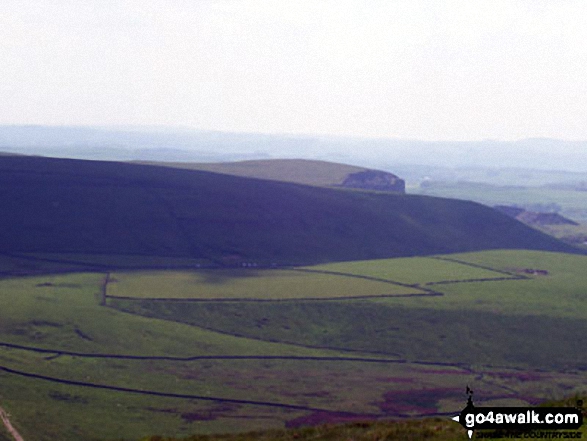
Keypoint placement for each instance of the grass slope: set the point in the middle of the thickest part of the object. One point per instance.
(63, 312)
(426, 334)
(108, 208)
(300, 171)
(72, 367)
(251, 284)
(484, 314)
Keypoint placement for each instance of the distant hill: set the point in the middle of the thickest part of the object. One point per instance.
(302, 171)
(74, 206)
(159, 143)
(534, 218)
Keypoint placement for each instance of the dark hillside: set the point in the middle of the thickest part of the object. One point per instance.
(74, 206)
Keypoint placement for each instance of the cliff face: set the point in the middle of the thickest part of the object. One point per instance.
(375, 180)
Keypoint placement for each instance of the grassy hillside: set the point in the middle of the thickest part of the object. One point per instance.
(474, 308)
(242, 284)
(166, 352)
(56, 206)
(301, 171)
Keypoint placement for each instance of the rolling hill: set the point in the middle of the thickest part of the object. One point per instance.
(92, 207)
(302, 171)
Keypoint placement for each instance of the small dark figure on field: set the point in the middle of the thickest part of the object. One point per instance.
(470, 396)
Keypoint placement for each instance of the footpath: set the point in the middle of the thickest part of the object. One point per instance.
(9, 427)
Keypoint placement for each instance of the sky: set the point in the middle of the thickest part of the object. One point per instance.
(428, 70)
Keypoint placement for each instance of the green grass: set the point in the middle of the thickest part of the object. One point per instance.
(514, 341)
(420, 270)
(249, 284)
(530, 322)
(49, 411)
(412, 333)
(48, 312)
(560, 293)
(46, 410)
(332, 386)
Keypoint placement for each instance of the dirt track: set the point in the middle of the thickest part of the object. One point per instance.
(9, 426)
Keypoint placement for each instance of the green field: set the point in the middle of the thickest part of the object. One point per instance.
(414, 270)
(572, 203)
(148, 359)
(53, 312)
(252, 284)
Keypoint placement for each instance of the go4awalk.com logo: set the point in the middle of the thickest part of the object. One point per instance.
(509, 422)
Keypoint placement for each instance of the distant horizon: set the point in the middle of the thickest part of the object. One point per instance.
(430, 70)
(155, 128)
(148, 143)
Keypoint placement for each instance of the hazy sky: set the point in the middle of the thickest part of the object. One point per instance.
(432, 70)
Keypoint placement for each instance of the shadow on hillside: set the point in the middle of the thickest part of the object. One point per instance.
(221, 276)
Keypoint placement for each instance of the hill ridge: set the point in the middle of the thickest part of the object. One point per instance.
(76, 206)
(296, 170)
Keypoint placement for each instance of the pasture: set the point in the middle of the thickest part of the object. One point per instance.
(183, 351)
(249, 284)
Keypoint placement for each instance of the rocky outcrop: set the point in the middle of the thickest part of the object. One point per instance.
(375, 180)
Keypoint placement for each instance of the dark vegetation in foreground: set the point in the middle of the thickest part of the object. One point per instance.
(429, 429)
(91, 207)
(436, 429)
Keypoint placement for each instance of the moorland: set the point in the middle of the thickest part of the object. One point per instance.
(139, 300)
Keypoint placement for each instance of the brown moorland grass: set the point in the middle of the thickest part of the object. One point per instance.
(435, 429)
